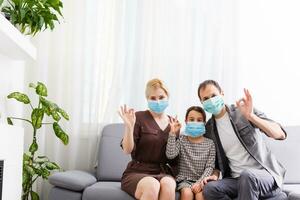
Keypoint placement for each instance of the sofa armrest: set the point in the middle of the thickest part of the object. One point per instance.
(294, 196)
(72, 180)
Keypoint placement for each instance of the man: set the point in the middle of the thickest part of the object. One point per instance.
(249, 170)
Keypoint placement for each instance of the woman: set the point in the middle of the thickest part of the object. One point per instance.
(145, 138)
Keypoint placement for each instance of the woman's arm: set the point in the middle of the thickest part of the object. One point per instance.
(128, 141)
(129, 118)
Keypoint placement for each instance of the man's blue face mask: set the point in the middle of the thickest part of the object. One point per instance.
(214, 105)
(158, 106)
(194, 129)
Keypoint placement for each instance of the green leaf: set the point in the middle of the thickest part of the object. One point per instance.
(26, 178)
(48, 104)
(42, 157)
(19, 97)
(9, 121)
(29, 170)
(1, 1)
(32, 85)
(37, 116)
(52, 166)
(41, 89)
(46, 110)
(60, 133)
(22, 13)
(26, 157)
(64, 114)
(34, 195)
(33, 147)
(45, 173)
(55, 116)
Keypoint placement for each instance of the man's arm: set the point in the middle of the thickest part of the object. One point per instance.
(272, 129)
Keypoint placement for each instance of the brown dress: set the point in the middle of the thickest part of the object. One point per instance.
(149, 153)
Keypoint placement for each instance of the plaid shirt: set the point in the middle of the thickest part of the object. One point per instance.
(196, 160)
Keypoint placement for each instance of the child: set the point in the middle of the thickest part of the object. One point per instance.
(196, 153)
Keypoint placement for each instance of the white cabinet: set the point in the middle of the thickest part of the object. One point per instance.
(11, 151)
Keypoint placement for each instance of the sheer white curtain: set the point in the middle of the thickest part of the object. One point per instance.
(268, 52)
(104, 52)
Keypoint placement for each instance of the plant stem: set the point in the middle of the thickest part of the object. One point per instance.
(47, 123)
(21, 119)
(31, 106)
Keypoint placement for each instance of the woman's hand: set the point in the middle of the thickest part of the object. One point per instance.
(175, 125)
(128, 116)
(196, 188)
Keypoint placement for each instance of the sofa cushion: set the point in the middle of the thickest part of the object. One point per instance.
(73, 180)
(294, 196)
(111, 159)
(287, 152)
(60, 193)
(105, 191)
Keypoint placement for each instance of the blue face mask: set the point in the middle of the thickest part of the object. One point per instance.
(214, 105)
(158, 106)
(194, 129)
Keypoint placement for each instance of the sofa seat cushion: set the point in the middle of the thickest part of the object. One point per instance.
(73, 180)
(105, 191)
(57, 193)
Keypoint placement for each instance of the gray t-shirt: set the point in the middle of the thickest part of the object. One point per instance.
(239, 158)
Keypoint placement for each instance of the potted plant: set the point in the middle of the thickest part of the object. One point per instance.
(32, 16)
(36, 166)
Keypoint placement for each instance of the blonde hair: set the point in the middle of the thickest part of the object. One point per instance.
(155, 84)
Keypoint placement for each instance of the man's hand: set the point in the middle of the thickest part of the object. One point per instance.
(272, 129)
(245, 105)
(208, 179)
(196, 188)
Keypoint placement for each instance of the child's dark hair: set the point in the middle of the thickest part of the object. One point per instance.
(197, 109)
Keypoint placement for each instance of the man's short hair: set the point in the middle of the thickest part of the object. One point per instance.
(208, 82)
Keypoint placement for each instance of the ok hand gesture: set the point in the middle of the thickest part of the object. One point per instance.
(175, 125)
(128, 116)
(245, 104)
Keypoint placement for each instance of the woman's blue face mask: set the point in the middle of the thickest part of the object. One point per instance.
(158, 106)
(195, 129)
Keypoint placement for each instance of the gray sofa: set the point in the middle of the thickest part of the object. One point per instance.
(104, 184)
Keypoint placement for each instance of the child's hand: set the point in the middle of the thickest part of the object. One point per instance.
(196, 188)
(175, 125)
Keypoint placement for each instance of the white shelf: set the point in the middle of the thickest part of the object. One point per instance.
(13, 44)
(11, 151)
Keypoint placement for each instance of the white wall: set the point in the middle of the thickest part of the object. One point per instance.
(11, 79)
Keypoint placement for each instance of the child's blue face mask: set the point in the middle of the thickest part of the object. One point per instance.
(214, 105)
(194, 129)
(158, 106)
